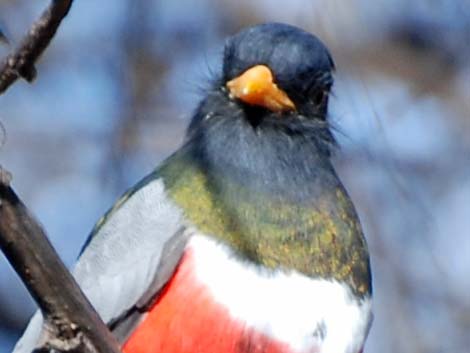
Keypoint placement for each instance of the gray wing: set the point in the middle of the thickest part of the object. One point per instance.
(132, 253)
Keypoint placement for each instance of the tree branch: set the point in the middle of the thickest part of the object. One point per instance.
(21, 62)
(71, 321)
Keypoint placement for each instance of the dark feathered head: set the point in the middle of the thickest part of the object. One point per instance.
(279, 67)
(273, 75)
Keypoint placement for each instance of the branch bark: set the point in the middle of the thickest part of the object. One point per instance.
(71, 322)
(21, 62)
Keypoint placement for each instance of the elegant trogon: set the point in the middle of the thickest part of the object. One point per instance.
(244, 239)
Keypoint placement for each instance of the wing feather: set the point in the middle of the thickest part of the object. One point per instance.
(121, 268)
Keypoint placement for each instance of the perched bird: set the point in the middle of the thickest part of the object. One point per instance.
(243, 240)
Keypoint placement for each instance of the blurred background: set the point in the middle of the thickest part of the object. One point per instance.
(117, 86)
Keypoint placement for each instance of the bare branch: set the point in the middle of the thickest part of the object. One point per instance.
(71, 321)
(21, 62)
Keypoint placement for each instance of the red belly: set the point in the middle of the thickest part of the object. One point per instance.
(186, 319)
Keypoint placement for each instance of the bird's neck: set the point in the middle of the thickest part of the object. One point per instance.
(274, 154)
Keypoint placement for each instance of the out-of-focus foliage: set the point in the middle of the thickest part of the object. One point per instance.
(118, 84)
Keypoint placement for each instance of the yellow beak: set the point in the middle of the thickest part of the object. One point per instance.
(256, 86)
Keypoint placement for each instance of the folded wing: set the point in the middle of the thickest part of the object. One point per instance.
(128, 258)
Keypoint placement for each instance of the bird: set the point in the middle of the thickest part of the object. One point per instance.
(244, 239)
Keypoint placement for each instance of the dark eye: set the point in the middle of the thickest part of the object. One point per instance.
(319, 97)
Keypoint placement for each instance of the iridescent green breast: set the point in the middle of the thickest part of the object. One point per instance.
(319, 237)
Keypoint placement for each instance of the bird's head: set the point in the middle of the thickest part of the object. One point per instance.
(273, 73)
(271, 94)
(279, 68)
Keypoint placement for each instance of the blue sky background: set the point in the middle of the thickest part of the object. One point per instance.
(117, 86)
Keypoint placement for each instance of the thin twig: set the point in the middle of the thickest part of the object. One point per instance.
(70, 319)
(21, 62)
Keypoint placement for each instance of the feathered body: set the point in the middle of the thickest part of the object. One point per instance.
(244, 240)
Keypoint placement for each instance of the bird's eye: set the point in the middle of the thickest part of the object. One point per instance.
(319, 97)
